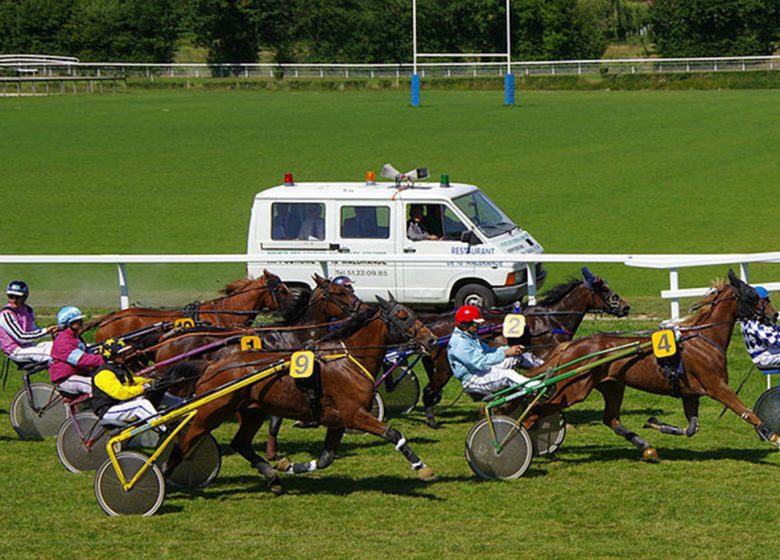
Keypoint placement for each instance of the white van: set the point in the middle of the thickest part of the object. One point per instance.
(376, 219)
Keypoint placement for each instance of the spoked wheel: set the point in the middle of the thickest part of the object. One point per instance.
(400, 391)
(547, 434)
(199, 468)
(377, 411)
(514, 458)
(41, 418)
(768, 408)
(81, 445)
(144, 498)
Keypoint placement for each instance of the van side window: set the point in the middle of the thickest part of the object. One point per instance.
(452, 225)
(286, 220)
(365, 222)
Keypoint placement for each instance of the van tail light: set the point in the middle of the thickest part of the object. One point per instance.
(288, 180)
(511, 279)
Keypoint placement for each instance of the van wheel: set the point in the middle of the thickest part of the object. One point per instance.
(475, 294)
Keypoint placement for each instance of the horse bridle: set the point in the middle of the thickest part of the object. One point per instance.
(348, 309)
(401, 327)
(611, 299)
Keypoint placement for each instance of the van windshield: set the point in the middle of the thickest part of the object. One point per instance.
(484, 214)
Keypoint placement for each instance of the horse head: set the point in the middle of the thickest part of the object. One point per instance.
(750, 305)
(334, 301)
(276, 296)
(603, 297)
(404, 324)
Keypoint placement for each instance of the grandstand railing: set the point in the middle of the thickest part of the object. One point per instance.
(670, 262)
(440, 69)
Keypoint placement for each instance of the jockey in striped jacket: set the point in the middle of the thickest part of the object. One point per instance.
(762, 341)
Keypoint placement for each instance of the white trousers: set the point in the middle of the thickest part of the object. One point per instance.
(495, 378)
(76, 384)
(769, 359)
(130, 411)
(37, 353)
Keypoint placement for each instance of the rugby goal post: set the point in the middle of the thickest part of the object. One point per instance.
(509, 78)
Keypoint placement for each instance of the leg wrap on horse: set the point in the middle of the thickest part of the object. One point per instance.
(326, 459)
(395, 437)
(264, 468)
(621, 430)
(764, 432)
(274, 425)
(431, 397)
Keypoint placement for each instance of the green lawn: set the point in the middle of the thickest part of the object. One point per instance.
(175, 172)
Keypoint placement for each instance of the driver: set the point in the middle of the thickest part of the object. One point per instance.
(71, 365)
(20, 337)
(481, 368)
(762, 341)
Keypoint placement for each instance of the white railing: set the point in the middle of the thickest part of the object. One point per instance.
(672, 263)
(153, 71)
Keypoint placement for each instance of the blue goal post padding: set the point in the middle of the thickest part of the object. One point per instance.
(509, 89)
(415, 90)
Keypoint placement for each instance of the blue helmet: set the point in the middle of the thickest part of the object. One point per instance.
(762, 292)
(67, 315)
(18, 288)
(342, 281)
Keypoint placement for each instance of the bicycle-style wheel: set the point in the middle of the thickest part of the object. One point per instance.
(514, 458)
(200, 467)
(400, 391)
(40, 418)
(768, 408)
(81, 444)
(144, 498)
(547, 434)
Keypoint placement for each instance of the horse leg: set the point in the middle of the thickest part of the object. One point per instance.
(249, 422)
(328, 455)
(439, 372)
(271, 451)
(691, 408)
(726, 396)
(613, 399)
(366, 422)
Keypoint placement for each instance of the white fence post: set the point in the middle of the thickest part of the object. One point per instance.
(744, 272)
(530, 272)
(124, 294)
(674, 285)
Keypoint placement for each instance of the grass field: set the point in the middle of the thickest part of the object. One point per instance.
(174, 172)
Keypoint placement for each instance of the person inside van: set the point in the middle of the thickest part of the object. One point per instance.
(363, 224)
(415, 227)
(432, 219)
(313, 227)
(286, 223)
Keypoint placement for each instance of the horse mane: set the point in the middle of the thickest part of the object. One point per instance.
(557, 293)
(236, 286)
(704, 306)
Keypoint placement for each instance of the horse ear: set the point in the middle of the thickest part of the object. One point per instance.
(733, 280)
(381, 301)
(266, 273)
(318, 279)
(392, 297)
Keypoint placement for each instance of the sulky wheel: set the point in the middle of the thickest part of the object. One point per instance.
(200, 467)
(144, 498)
(547, 434)
(487, 463)
(768, 408)
(41, 418)
(401, 393)
(81, 445)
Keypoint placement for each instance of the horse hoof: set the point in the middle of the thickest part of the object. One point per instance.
(275, 486)
(426, 474)
(431, 423)
(650, 455)
(283, 464)
(273, 457)
(652, 423)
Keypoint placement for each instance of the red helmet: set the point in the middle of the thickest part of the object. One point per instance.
(469, 314)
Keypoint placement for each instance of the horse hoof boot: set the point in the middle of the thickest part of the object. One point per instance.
(283, 464)
(652, 423)
(650, 455)
(426, 474)
(275, 486)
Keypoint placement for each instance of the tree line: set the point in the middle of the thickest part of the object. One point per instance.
(374, 31)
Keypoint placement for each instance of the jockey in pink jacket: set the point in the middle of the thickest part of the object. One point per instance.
(20, 337)
(71, 365)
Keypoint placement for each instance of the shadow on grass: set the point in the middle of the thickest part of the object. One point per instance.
(349, 446)
(602, 454)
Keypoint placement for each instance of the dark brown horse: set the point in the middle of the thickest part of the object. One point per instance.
(341, 397)
(554, 320)
(242, 300)
(702, 346)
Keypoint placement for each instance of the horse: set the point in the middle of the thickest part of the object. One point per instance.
(240, 303)
(554, 320)
(345, 388)
(701, 370)
(311, 318)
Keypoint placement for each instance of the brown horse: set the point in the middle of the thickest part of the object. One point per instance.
(339, 398)
(554, 320)
(701, 370)
(242, 300)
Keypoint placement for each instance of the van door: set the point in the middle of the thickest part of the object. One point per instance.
(432, 229)
(365, 228)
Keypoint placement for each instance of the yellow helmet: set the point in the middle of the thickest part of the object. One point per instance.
(111, 348)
